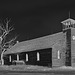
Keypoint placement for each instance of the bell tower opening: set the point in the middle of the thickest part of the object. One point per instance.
(67, 25)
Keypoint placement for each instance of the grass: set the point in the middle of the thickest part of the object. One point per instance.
(34, 68)
(38, 70)
(24, 68)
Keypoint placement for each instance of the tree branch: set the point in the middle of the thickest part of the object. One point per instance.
(7, 24)
(11, 28)
(12, 40)
(6, 29)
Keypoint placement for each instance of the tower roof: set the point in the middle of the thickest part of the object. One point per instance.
(68, 20)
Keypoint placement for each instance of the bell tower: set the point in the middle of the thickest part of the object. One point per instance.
(67, 26)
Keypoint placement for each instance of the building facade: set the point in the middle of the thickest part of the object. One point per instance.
(54, 50)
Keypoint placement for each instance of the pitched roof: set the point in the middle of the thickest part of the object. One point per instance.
(34, 44)
(69, 20)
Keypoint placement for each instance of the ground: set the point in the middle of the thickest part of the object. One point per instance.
(38, 70)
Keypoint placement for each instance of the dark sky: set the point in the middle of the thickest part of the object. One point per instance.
(36, 18)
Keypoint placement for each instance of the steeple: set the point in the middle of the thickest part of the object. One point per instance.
(68, 23)
(69, 14)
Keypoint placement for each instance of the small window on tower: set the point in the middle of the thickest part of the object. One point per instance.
(69, 25)
(73, 37)
(66, 23)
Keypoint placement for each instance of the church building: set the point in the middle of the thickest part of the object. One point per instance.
(54, 50)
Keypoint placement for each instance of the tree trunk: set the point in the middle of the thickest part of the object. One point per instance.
(2, 60)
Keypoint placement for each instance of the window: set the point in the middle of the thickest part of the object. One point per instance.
(58, 54)
(26, 57)
(38, 56)
(10, 58)
(17, 57)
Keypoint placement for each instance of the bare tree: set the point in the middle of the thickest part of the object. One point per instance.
(4, 45)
